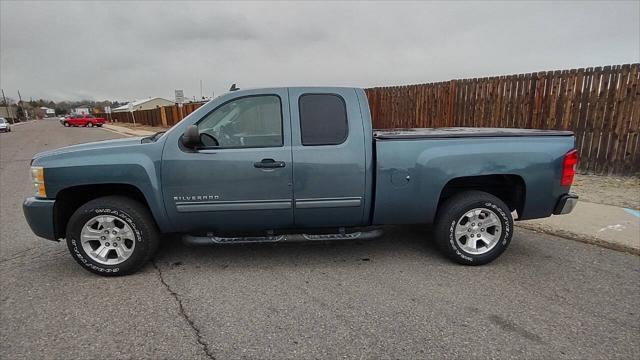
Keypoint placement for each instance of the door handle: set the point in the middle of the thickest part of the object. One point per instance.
(269, 164)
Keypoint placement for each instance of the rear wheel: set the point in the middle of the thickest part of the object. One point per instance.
(473, 228)
(112, 236)
(89, 124)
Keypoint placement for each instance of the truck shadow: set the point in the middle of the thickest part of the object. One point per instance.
(405, 241)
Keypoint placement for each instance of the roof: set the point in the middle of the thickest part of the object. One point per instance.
(139, 102)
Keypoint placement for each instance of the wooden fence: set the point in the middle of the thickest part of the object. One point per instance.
(154, 117)
(601, 105)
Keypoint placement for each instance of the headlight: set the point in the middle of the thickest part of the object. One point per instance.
(37, 176)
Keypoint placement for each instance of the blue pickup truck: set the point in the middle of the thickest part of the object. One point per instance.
(298, 163)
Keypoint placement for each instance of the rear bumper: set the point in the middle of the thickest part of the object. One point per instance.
(565, 204)
(39, 215)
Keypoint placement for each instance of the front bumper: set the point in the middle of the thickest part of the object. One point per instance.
(39, 215)
(565, 204)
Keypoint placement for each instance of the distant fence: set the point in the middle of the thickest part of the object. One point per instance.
(601, 105)
(154, 117)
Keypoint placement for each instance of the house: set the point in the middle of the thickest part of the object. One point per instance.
(81, 110)
(46, 112)
(146, 104)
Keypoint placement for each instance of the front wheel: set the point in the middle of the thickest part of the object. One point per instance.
(473, 228)
(66, 124)
(90, 124)
(112, 235)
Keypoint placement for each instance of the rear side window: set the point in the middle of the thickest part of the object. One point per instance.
(323, 119)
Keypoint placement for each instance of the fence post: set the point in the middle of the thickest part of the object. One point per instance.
(163, 117)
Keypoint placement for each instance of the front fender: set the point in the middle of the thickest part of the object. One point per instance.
(138, 166)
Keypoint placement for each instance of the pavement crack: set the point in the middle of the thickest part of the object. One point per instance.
(199, 337)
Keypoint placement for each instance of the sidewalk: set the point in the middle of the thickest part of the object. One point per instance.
(127, 131)
(609, 226)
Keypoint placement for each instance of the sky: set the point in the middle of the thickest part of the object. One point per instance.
(111, 50)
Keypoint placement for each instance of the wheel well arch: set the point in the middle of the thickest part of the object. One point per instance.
(507, 187)
(68, 200)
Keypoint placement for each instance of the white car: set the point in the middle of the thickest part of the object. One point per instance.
(4, 125)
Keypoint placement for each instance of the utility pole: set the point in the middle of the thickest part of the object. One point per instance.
(4, 99)
(26, 115)
(201, 90)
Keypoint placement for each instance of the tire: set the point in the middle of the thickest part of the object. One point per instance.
(138, 235)
(474, 243)
(90, 124)
(99, 125)
(66, 124)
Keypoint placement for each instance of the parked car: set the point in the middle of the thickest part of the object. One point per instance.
(289, 164)
(4, 125)
(82, 120)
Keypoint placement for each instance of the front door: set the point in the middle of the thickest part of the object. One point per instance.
(241, 178)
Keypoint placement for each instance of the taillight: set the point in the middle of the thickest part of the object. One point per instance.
(569, 163)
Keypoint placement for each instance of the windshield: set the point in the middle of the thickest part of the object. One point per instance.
(2, 121)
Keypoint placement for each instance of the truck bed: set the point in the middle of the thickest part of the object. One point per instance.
(461, 132)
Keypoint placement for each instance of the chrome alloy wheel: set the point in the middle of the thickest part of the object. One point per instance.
(478, 231)
(107, 239)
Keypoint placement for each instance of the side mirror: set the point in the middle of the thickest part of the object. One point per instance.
(191, 137)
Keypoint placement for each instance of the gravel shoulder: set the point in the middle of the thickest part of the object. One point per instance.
(608, 190)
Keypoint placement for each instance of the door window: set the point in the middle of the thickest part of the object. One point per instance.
(254, 121)
(323, 119)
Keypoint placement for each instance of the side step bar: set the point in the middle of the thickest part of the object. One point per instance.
(211, 239)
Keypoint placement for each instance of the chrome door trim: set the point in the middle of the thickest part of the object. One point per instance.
(315, 203)
(276, 204)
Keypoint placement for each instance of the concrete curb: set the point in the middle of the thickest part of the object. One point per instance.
(579, 237)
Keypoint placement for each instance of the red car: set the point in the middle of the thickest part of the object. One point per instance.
(82, 120)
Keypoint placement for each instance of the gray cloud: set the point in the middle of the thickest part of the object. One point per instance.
(126, 50)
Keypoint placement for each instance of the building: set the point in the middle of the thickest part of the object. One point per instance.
(81, 110)
(46, 112)
(146, 104)
(9, 112)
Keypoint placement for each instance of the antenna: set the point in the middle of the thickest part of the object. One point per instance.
(234, 87)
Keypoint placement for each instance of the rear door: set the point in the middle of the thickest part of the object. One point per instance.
(329, 159)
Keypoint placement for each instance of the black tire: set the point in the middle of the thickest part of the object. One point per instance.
(89, 124)
(66, 124)
(126, 210)
(454, 209)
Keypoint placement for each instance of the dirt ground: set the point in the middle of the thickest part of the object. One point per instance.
(609, 190)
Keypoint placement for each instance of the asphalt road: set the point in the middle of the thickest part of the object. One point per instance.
(394, 297)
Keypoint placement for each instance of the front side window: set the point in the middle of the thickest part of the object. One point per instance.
(323, 119)
(254, 121)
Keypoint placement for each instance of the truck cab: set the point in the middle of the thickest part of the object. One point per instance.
(285, 159)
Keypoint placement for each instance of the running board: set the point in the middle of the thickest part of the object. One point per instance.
(212, 239)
